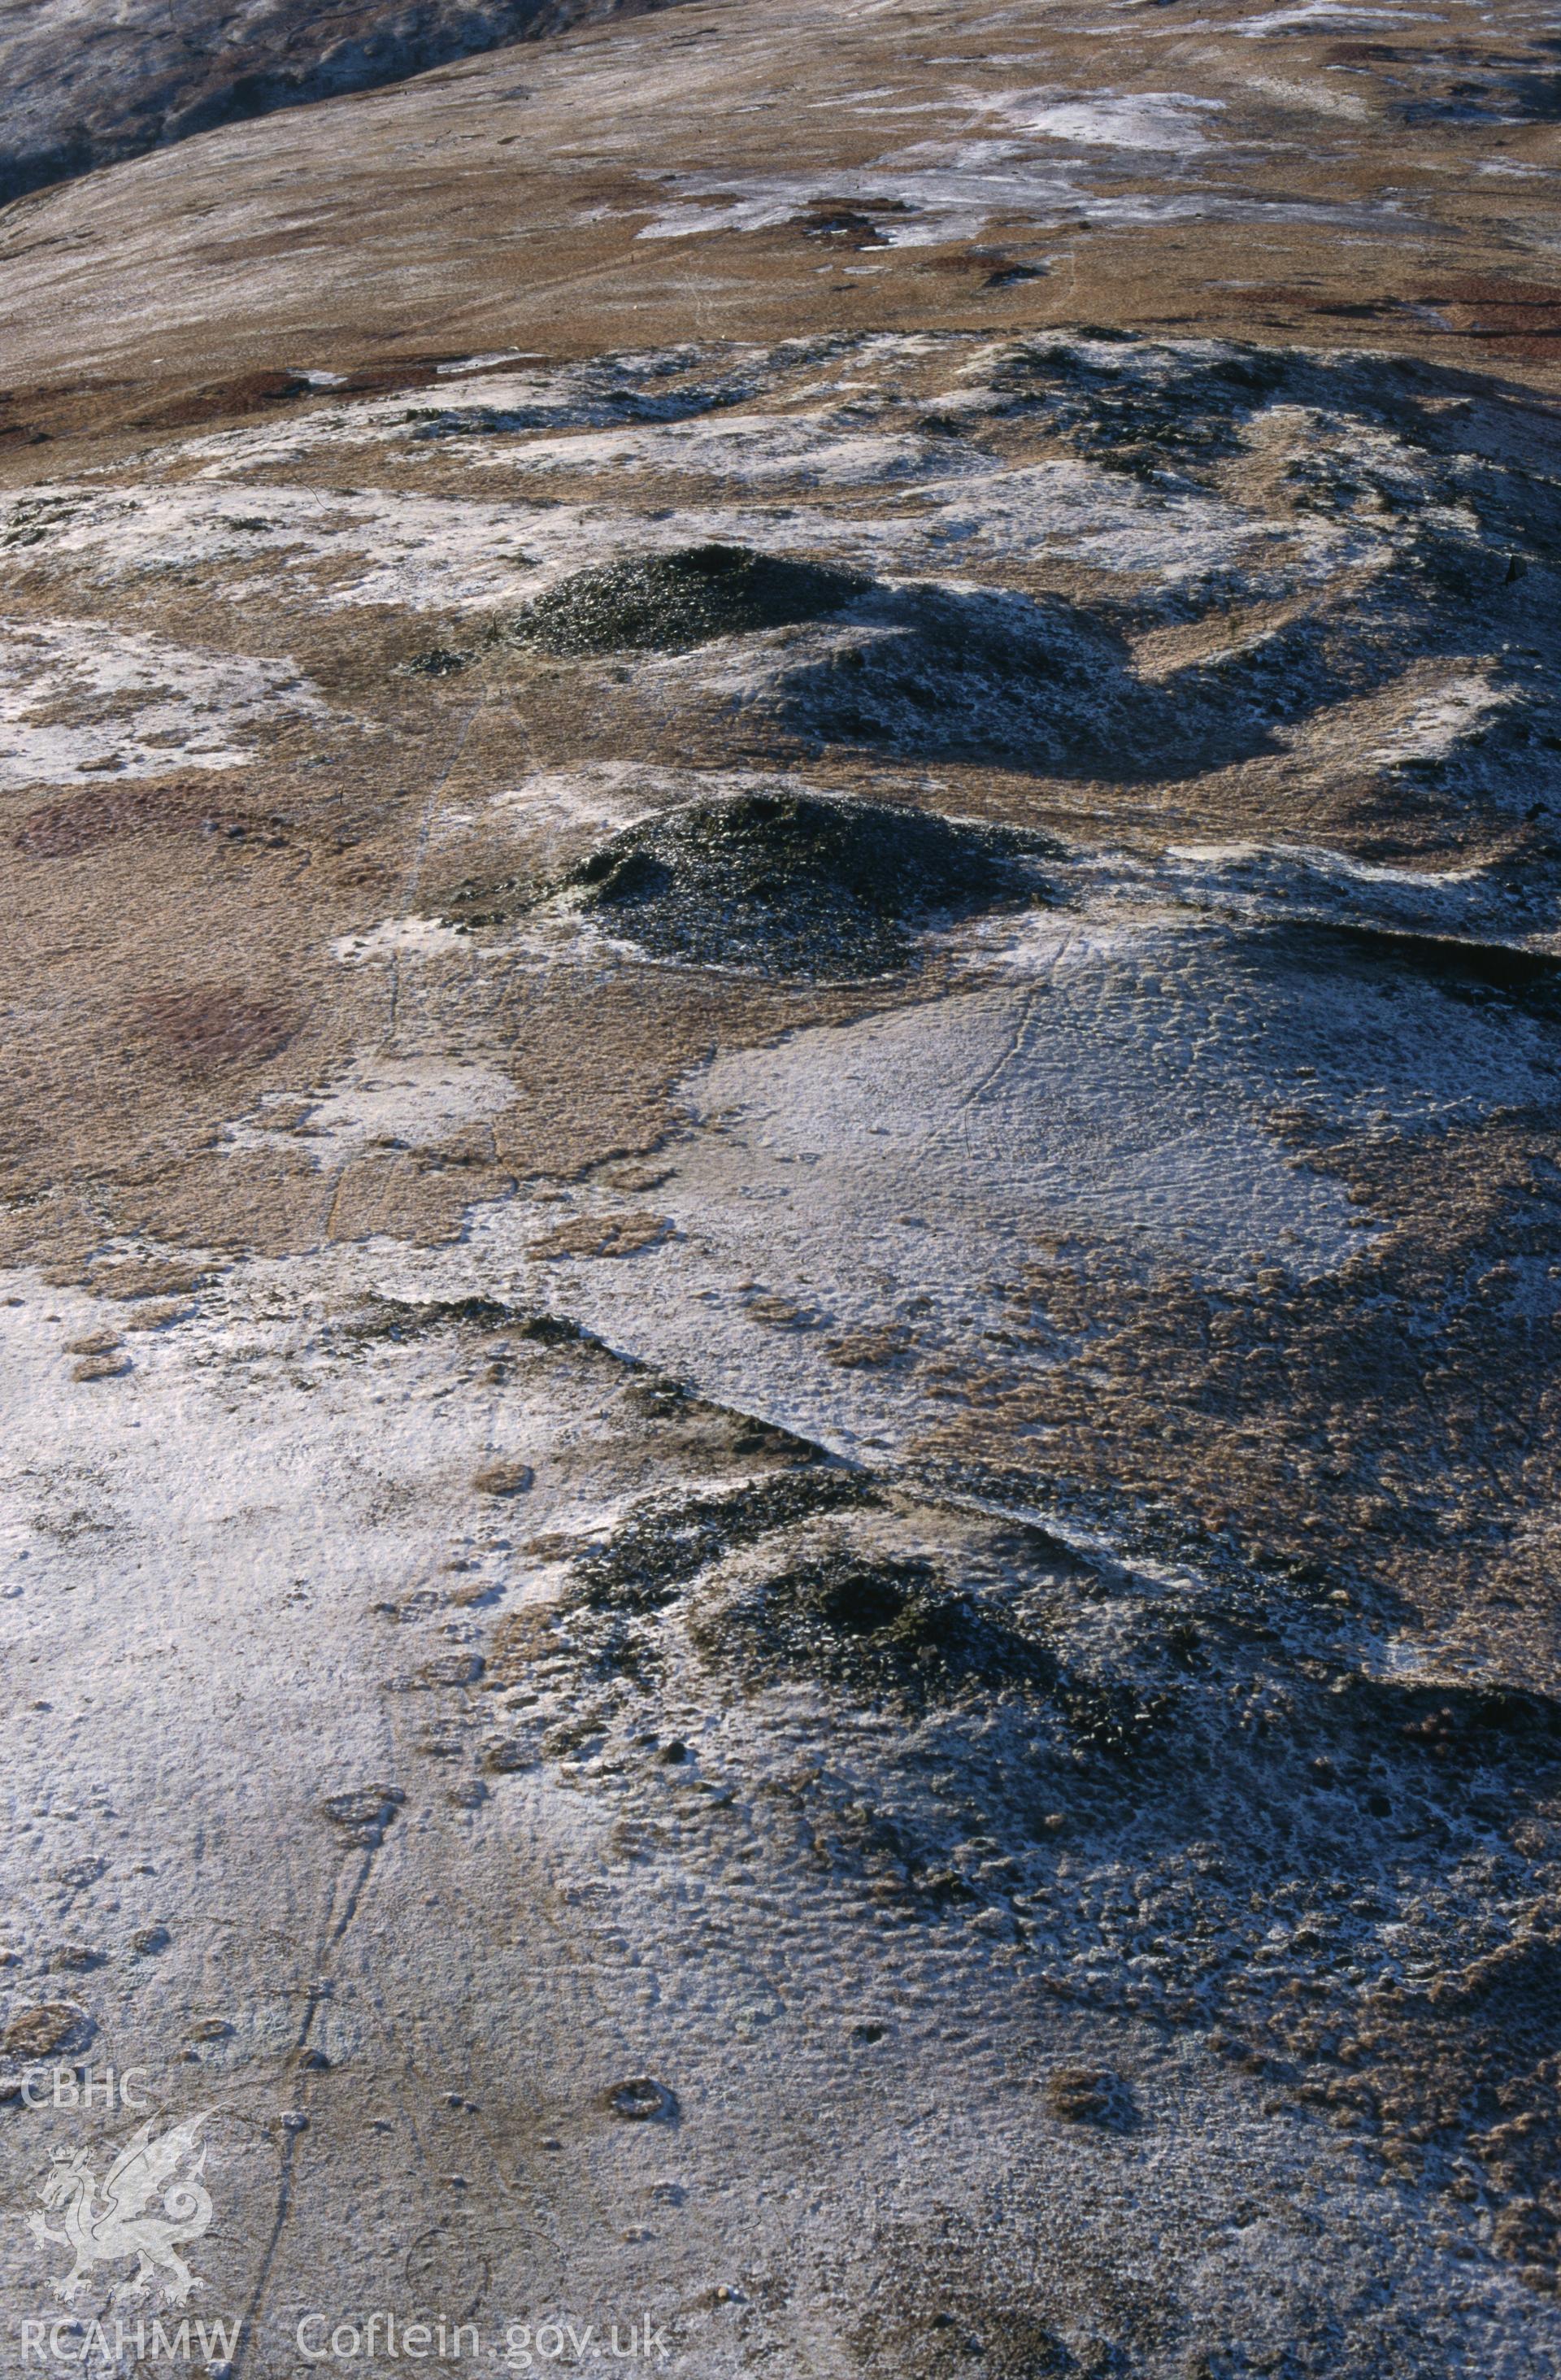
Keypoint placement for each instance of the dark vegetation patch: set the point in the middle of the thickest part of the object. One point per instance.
(1264, 1604)
(668, 602)
(62, 829)
(1113, 1716)
(204, 1026)
(256, 391)
(850, 222)
(602, 392)
(1043, 684)
(438, 660)
(793, 884)
(941, 2306)
(1146, 408)
(898, 1628)
(617, 1591)
(947, 2333)
(1156, 410)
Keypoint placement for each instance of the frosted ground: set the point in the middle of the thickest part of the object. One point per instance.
(778, 1195)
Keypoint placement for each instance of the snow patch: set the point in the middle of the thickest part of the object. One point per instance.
(1441, 721)
(417, 553)
(79, 701)
(382, 1101)
(1160, 120)
(809, 448)
(1105, 519)
(413, 937)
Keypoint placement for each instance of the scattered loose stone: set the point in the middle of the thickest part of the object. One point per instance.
(1090, 2095)
(364, 1813)
(641, 2100)
(503, 1479)
(77, 1956)
(47, 2029)
(451, 1669)
(506, 1760)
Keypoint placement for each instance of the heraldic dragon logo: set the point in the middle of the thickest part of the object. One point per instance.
(150, 2207)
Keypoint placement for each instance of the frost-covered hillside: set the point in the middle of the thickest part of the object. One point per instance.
(86, 83)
